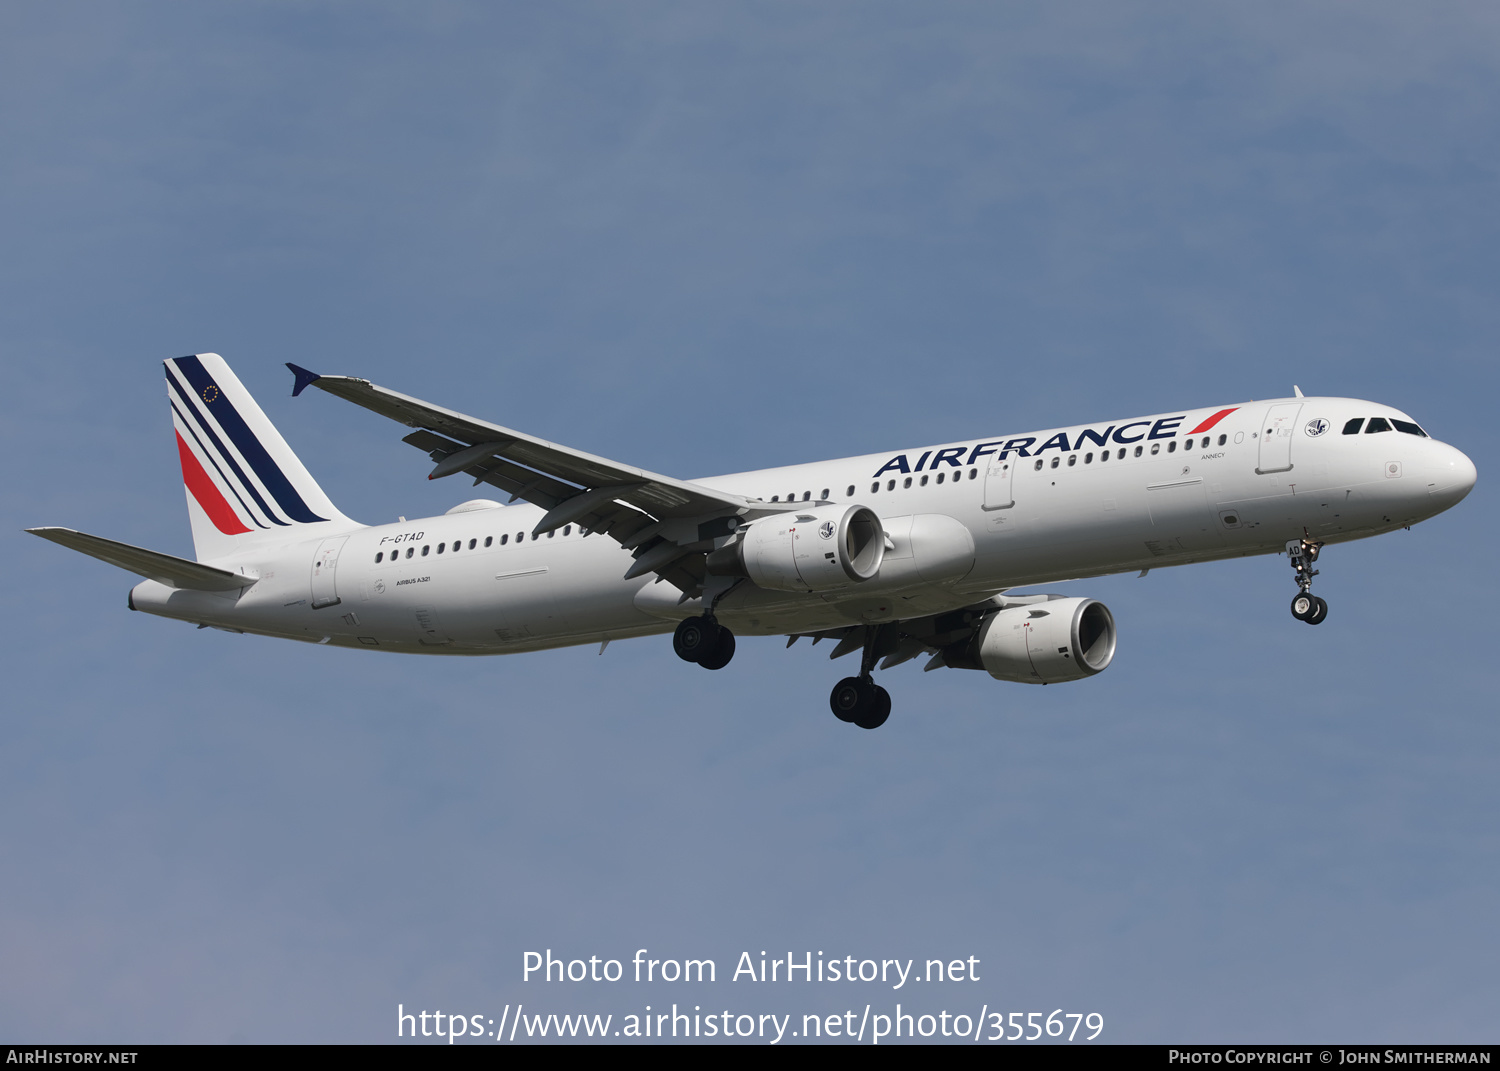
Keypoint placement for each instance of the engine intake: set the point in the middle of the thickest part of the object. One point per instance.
(1041, 643)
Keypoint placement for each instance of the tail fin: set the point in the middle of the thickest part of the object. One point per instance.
(244, 485)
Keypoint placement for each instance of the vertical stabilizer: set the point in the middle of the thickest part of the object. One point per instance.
(245, 487)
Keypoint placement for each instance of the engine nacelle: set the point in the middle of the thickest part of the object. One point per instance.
(1042, 642)
(929, 548)
(821, 549)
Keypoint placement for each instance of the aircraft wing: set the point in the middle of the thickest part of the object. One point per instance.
(669, 523)
(163, 568)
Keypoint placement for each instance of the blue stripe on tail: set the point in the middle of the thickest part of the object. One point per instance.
(250, 448)
(187, 424)
(218, 448)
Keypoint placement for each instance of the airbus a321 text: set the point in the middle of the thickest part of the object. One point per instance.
(891, 556)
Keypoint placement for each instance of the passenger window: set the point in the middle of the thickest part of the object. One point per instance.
(441, 546)
(1103, 456)
(552, 533)
(473, 541)
(973, 474)
(1038, 465)
(1056, 461)
(824, 495)
(806, 496)
(1352, 428)
(567, 529)
(775, 498)
(850, 492)
(1072, 460)
(906, 484)
(504, 539)
(1408, 427)
(890, 485)
(1137, 451)
(1377, 424)
(410, 551)
(924, 481)
(1223, 439)
(379, 557)
(520, 537)
(940, 477)
(874, 487)
(425, 550)
(1171, 447)
(490, 539)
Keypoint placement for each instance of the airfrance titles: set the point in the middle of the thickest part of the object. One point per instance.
(963, 456)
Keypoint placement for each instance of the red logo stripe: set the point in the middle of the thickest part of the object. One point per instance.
(1211, 421)
(202, 488)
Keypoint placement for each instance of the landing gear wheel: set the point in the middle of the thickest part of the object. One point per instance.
(719, 657)
(1304, 605)
(1319, 612)
(851, 697)
(880, 710)
(861, 701)
(696, 638)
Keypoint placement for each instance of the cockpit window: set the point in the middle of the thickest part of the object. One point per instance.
(1352, 428)
(1377, 424)
(1408, 427)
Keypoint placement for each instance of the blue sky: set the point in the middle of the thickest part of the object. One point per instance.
(708, 238)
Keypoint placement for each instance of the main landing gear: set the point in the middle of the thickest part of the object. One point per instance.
(704, 641)
(859, 699)
(1306, 606)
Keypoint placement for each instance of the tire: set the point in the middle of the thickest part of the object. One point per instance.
(695, 637)
(850, 699)
(723, 651)
(1319, 612)
(880, 710)
(1304, 605)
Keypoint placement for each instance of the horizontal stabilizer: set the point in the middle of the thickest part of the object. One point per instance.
(163, 568)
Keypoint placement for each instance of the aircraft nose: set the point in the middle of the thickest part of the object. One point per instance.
(1450, 476)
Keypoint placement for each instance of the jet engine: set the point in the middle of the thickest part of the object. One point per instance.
(1041, 643)
(825, 548)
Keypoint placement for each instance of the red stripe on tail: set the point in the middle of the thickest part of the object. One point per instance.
(1211, 421)
(202, 488)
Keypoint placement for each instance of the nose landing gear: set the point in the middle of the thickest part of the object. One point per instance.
(704, 641)
(1306, 606)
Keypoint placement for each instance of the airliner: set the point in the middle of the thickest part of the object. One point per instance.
(890, 556)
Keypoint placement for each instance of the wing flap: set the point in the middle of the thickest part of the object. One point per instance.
(163, 568)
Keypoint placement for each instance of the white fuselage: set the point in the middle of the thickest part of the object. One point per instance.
(1039, 508)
